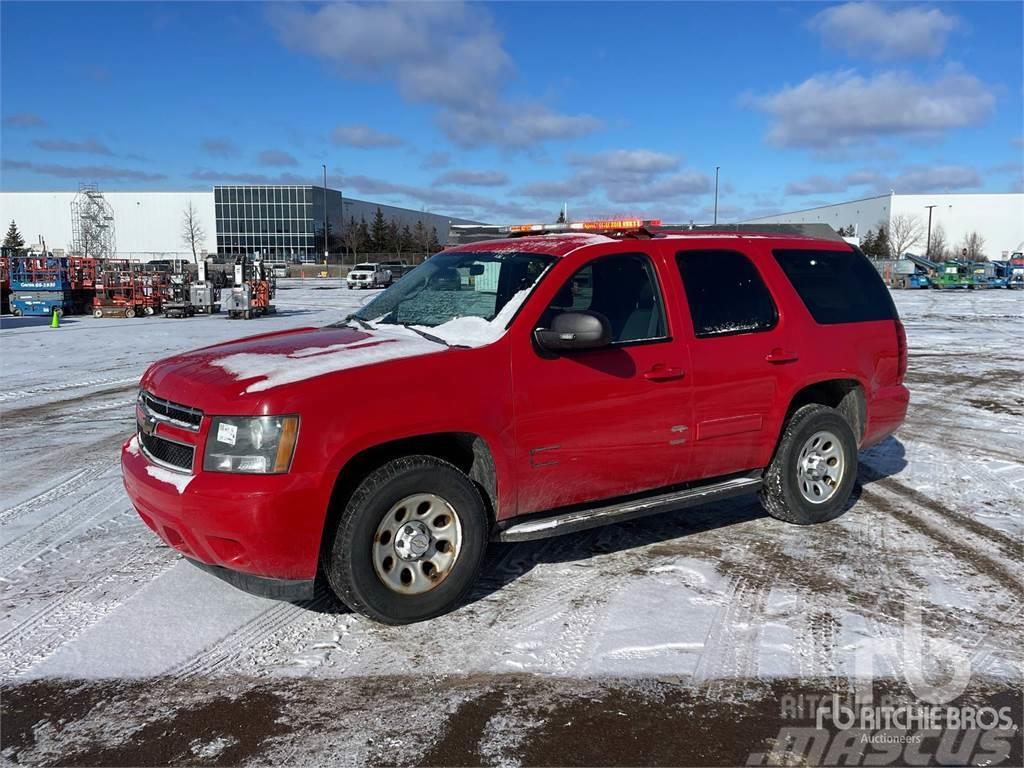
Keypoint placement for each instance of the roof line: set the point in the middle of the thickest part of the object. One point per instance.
(817, 207)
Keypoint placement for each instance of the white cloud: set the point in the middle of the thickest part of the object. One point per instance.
(911, 179)
(845, 108)
(513, 126)
(276, 157)
(472, 178)
(363, 137)
(448, 55)
(884, 32)
(87, 147)
(627, 161)
(935, 178)
(626, 176)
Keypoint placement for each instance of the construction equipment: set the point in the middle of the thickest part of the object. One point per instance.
(41, 283)
(177, 299)
(119, 290)
(1016, 276)
(204, 292)
(252, 291)
(5, 280)
(953, 274)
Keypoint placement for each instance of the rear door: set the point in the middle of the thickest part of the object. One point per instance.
(607, 422)
(739, 351)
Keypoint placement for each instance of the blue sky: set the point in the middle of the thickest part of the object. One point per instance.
(504, 111)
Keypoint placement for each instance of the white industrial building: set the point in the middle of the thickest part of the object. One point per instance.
(284, 222)
(997, 217)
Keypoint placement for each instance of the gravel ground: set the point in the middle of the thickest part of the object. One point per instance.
(672, 640)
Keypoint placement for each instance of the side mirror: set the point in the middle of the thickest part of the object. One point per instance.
(574, 330)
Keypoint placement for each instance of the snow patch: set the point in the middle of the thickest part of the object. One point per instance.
(273, 370)
(176, 479)
(477, 331)
(133, 446)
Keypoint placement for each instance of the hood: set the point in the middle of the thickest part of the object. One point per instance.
(234, 377)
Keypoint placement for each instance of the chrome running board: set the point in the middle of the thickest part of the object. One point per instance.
(545, 524)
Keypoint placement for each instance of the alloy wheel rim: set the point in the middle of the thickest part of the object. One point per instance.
(820, 467)
(417, 544)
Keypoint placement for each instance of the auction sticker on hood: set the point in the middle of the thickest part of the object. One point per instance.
(227, 433)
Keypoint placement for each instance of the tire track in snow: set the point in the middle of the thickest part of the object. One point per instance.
(255, 632)
(1008, 545)
(72, 485)
(21, 394)
(60, 526)
(731, 646)
(64, 619)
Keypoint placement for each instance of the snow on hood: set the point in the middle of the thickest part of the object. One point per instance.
(274, 369)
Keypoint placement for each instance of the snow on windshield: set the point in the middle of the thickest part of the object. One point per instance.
(476, 331)
(273, 370)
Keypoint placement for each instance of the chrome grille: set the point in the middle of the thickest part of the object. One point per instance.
(162, 451)
(165, 410)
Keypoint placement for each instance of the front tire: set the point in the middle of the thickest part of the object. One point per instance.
(814, 468)
(410, 542)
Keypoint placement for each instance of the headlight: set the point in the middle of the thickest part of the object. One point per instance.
(258, 445)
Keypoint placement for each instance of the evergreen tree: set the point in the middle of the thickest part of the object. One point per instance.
(406, 239)
(379, 232)
(882, 244)
(14, 238)
(433, 244)
(561, 217)
(420, 237)
(394, 238)
(867, 243)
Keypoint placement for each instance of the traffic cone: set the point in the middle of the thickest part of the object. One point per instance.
(55, 322)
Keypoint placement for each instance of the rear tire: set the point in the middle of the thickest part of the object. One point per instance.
(365, 566)
(814, 468)
(129, 313)
(97, 313)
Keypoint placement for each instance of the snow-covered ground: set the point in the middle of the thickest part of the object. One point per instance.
(711, 598)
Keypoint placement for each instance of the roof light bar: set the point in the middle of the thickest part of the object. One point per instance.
(600, 225)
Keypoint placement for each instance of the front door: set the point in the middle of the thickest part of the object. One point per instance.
(606, 422)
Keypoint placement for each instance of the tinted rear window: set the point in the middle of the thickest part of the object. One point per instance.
(837, 286)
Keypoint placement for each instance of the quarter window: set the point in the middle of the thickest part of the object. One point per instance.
(837, 286)
(623, 289)
(726, 293)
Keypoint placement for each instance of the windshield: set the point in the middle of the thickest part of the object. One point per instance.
(453, 285)
(364, 267)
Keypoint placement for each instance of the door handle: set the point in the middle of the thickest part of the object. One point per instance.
(663, 373)
(780, 355)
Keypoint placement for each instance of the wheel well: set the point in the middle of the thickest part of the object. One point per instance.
(469, 452)
(845, 395)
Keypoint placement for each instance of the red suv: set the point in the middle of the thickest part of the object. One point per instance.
(515, 389)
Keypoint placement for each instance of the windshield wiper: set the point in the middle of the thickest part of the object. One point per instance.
(429, 336)
(362, 323)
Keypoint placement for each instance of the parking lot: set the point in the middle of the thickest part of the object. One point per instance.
(111, 642)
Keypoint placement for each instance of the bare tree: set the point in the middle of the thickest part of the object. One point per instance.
(939, 246)
(974, 244)
(905, 232)
(192, 232)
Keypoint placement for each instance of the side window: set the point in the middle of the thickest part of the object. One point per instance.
(837, 286)
(623, 289)
(726, 293)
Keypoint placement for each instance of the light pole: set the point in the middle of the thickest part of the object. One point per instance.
(716, 194)
(928, 245)
(324, 166)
